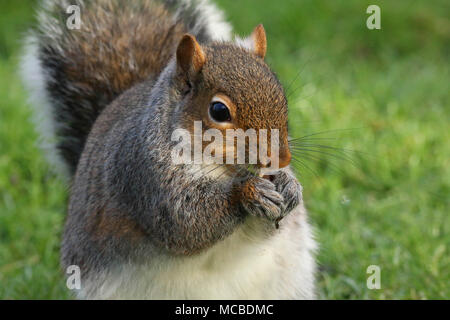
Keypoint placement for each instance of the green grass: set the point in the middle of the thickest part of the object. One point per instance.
(389, 86)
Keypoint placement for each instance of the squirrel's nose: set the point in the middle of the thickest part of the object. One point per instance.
(285, 157)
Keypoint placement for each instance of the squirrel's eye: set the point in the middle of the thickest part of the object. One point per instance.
(219, 112)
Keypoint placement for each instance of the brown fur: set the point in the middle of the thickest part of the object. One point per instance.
(190, 56)
(111, 223)
(256, 97)
(90, 67)
(260, 42)
(107, 50)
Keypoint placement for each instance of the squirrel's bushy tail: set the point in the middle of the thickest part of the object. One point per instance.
(72, 74)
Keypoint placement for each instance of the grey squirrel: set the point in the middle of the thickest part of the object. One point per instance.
(107, 98)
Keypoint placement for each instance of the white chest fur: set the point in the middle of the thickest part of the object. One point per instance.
(243, 266)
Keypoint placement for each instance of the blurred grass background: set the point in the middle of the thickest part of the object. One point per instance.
(390, 87)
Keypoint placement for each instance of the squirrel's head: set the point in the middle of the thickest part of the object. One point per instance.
(229, 86)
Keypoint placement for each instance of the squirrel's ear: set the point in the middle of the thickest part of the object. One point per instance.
(259, 41)
(190, 56)
(256, 42)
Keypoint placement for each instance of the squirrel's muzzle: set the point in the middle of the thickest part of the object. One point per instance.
(285, 157)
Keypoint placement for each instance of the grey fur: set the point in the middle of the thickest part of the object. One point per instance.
(77, 100)
(130, 207)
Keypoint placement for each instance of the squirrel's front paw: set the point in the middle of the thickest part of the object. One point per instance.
(260, 198)
(288, 186)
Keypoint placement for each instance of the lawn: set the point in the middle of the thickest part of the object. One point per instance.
(375, 104)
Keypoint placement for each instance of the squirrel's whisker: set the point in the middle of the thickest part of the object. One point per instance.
(306, 166)
(317, 159)
(336, 156)
(324, 132)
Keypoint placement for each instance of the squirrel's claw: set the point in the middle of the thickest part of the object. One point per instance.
(262, 199)
(288, 186)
